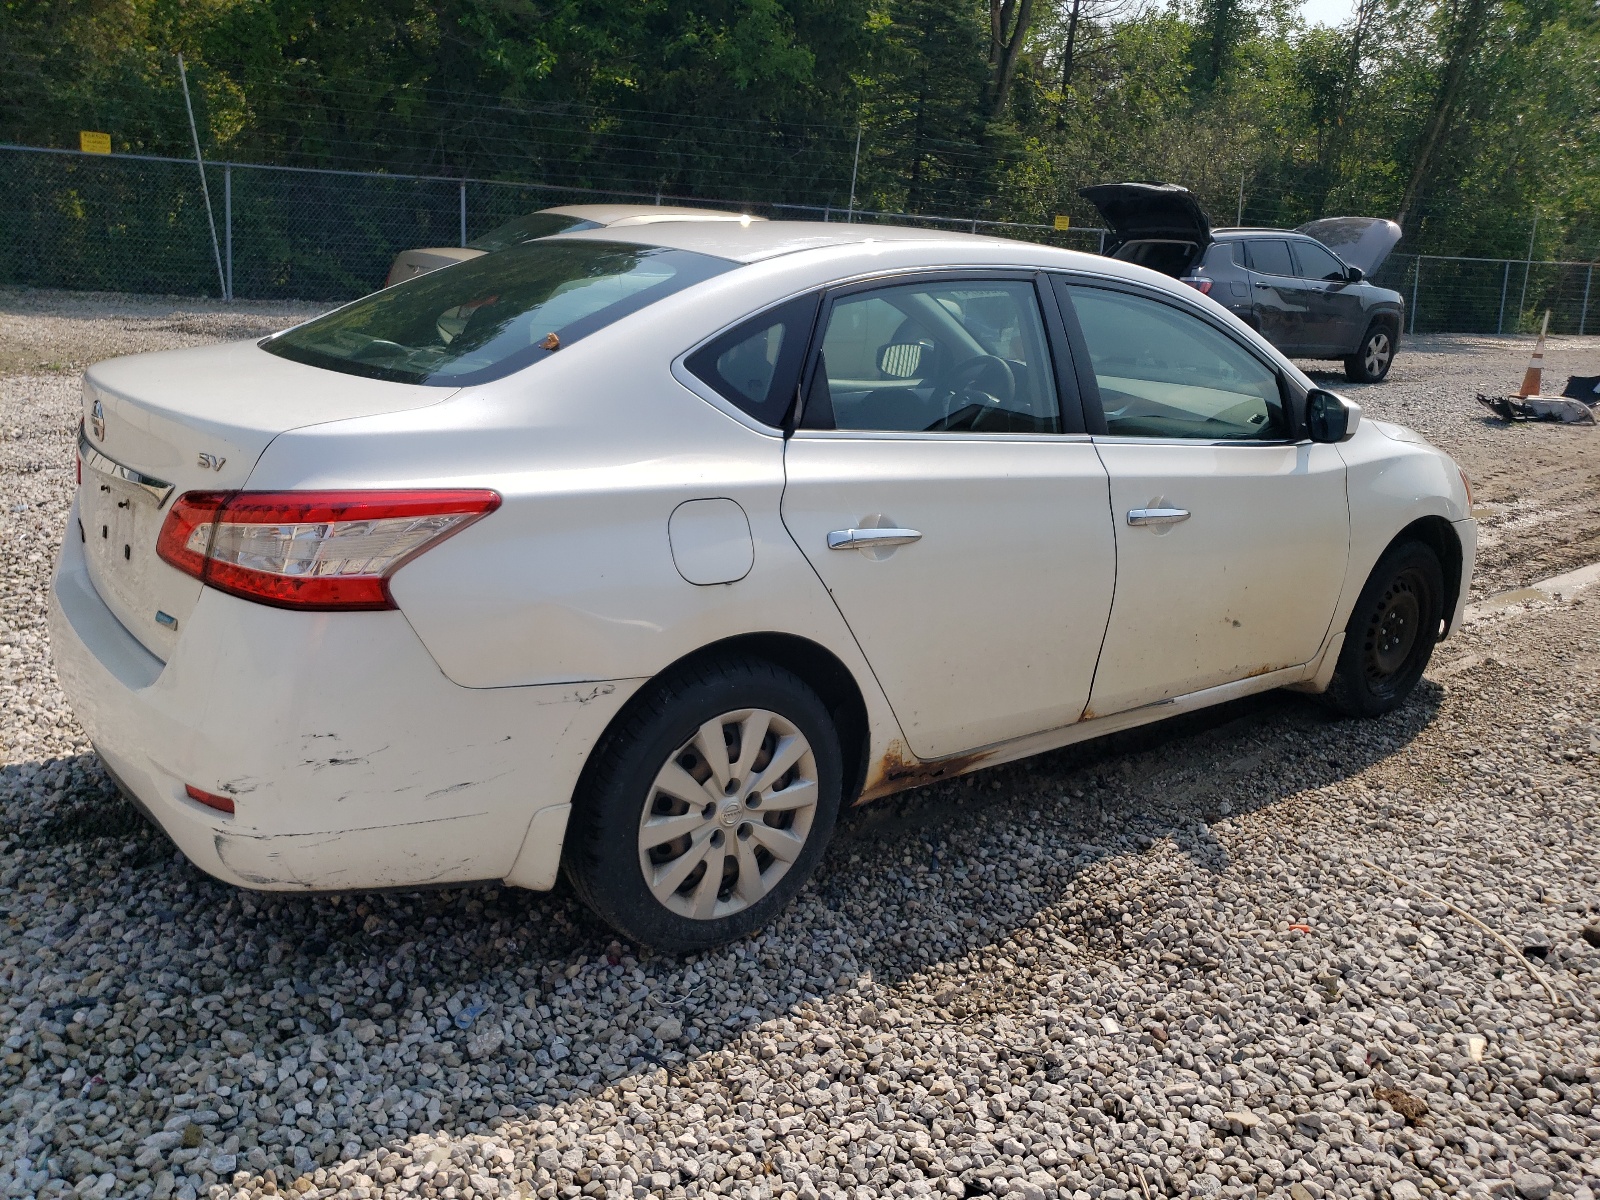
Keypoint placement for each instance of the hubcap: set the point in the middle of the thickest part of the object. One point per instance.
(1395, 626)
(728, 814)
(1377, 353)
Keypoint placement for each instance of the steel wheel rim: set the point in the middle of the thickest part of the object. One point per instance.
(1377, 353)
(728, 814)
(1395, 628)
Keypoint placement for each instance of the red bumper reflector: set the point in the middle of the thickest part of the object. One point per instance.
(220, 803)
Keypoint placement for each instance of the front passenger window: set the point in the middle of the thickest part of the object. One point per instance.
(1163, 373)
(1317, 263)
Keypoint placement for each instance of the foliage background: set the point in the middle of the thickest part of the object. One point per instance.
(1465, 118)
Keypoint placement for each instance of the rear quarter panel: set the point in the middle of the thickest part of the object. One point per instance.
(572, 580)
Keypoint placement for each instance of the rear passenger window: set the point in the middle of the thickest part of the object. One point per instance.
(938, 357)
(756, 366)
(1269, 257)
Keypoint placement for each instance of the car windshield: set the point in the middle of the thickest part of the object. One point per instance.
(527, 229)
(487, 317)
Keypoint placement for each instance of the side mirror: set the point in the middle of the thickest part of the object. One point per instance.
(902, 360)
(1354, 274)
(1330, 418)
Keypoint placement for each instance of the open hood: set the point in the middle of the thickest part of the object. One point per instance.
(1363, 242)
(1137, 211)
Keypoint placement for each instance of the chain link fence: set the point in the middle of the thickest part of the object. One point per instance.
(134, 223)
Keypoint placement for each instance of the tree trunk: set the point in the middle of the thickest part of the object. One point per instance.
(1008, 42)
(1338, 136)
(1465, 39)
(1072, 45)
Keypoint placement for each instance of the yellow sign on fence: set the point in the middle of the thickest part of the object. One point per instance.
(94, 143)
(1063, 222)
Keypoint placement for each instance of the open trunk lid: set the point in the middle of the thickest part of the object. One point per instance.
(1364, 242)
(158, 425)
(1150, 212)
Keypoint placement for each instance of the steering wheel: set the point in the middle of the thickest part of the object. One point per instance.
(998, 388)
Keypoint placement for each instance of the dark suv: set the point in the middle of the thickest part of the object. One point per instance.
(1305, 289)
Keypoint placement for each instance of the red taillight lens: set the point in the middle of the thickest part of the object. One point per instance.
(209, 799)
(312, 550)
(186, 533)
(1201, 285)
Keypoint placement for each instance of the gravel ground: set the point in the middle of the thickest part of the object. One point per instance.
(1239, 954)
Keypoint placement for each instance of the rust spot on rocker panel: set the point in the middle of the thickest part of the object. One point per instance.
(899, 770)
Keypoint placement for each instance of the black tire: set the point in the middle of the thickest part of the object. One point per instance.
(1373, 358)
(603, 854)
(1391, 633)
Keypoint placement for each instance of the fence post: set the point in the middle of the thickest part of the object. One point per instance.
(1583, 316)
(1505, 282)
(1527, 269)
(463, 212)
(1415, 280)
(1102, 248)
(227, 227)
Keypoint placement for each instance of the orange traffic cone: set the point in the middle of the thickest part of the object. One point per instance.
(1534, 375)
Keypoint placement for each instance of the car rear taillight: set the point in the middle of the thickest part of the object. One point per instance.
(312, 550)
(1199, 283)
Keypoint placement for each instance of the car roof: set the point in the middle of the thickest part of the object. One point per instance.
(759, 240)
(1235, 232)
(610, 214)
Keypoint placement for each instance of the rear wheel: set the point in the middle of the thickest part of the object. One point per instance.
(1372, 359)
(703, 813)
(1391, 633)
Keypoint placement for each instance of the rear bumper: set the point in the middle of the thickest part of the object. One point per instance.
(352, 761)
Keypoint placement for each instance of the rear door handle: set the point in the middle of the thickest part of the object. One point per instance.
(1157, 516)
(871, 539)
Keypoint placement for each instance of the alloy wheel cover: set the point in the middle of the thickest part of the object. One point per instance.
(1377, 356)
(728, 814)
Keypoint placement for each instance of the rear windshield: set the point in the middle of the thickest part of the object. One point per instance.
(487, 317)
(528, 228)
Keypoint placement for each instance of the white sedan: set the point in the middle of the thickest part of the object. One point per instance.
(638, 552)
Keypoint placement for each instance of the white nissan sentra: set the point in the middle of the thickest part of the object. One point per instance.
(639, 552)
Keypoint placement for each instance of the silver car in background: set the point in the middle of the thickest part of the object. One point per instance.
(547, 222)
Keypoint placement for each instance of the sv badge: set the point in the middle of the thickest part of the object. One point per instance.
(211, 462)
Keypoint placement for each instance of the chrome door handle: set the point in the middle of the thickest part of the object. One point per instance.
(871, 539)
(1157, 516)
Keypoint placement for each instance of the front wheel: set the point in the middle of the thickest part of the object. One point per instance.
(1372, 359)
(1391, 633)
(705, 810)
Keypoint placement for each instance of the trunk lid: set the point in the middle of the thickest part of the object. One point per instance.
(1364, 242)
(158, 425)
(1138, 212)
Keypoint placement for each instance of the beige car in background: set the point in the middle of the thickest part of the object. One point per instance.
(548, 221)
